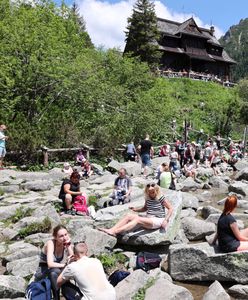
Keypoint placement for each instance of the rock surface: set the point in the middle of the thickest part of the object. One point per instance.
(188, 263)
(217, 292)
(12, 286)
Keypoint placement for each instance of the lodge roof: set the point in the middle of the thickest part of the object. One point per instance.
(190, 28)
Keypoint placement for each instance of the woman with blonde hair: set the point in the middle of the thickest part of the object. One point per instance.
(230, 238)
(154, 206)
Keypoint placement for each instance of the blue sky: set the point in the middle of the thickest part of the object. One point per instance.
(106, 19)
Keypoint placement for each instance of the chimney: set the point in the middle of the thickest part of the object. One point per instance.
(212, 30)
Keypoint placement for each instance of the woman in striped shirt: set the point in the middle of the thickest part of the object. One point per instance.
(155, 204)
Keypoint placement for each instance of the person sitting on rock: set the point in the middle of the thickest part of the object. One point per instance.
(229, 237)
(122, 189)
(154, 206)
(88, 274)
(80, 157)
(166, 179)
(70, 188)
(67, 169)
(86, 168)
(53, 258)
(189, 169)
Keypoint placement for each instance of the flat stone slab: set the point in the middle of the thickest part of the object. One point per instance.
(239, 188)
(142, 236)
(12, 286)
(201, 262)
(239, 291)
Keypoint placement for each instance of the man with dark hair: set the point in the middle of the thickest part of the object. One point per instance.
(146, 151)
(88, 273)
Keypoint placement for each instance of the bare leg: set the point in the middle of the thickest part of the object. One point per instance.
(244, 232)
(243, 246)
(68, 201)
(1, 162)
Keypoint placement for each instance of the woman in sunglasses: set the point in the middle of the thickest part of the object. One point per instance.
(155, 204)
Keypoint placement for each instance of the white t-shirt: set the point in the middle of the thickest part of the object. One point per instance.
(90, 278)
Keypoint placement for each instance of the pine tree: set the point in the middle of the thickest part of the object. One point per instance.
(142, 34)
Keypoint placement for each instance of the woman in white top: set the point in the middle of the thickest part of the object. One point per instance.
(154, 206)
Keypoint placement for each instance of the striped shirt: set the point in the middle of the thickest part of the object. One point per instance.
(155, 208)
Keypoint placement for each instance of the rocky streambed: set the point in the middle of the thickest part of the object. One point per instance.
(29, 208)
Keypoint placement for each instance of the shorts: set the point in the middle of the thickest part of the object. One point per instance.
(157, 222)
(145, 158)
(2, 152)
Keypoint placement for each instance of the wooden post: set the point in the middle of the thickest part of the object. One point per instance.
(45, 156)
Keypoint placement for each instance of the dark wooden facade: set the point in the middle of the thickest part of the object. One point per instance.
(186, 46)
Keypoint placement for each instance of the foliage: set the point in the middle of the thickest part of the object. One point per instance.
(140, 295)
(243, 93)
(20, 213)
(111, 260)
(143, 33)
(36, 227)
(235, 41)
(57, 90)
(1, 192)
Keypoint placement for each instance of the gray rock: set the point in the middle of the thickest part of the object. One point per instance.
(9, 233)
(204, 196)
(37, 185)
(105, 178)
(204, 172)
(189, 212)
(24, 222)
(8, 211)
(133, 168)
(217, 292)
(56, 174)
(10, 189)
(38, 238)
(239, 188)
(97, 241)
(239, 291)
(217, 182)
(166, 290)
(20, 250)
(208, 210)
(180, 238)
(114, 165)
(190, 201)
(12, 286)
(142, 236)
(157, 161)
(242, 174)
(23, 267)
(200, 262)
(189, 185)
(215, 217)
(48, 211)
(241, 164)
(196, 229)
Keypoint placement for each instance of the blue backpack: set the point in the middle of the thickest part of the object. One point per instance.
(39, 290)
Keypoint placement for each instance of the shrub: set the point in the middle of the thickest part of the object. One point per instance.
(36, 227)
(20, 213)
(140, 295)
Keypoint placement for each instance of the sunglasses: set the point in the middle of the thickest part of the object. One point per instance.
(151, 185)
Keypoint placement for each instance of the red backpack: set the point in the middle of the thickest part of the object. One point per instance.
(80, 204)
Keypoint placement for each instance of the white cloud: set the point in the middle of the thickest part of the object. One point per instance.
(106, 21)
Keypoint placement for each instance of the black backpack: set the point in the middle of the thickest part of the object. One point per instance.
(117, 276)
(147, 261)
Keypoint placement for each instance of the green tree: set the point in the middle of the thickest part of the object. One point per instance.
(243, 93)
(142, 34)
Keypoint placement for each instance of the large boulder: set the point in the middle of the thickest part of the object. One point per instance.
(204, 172)
(166, 290)
(157, 161)
(239, 188)
(217, 182)
(239, 291)
(196, 229)
(23, 267)
(12, 286)
(142, 236)
(189, 185)
(20, 250)
(8, 211)
(208, 210)
(37, 185)
(242, 174)
(48, 211)
(97, 241)
(190, 201)
(241, 164)
(217, 292)
(200, 262)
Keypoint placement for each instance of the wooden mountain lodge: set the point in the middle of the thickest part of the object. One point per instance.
(187, 47)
